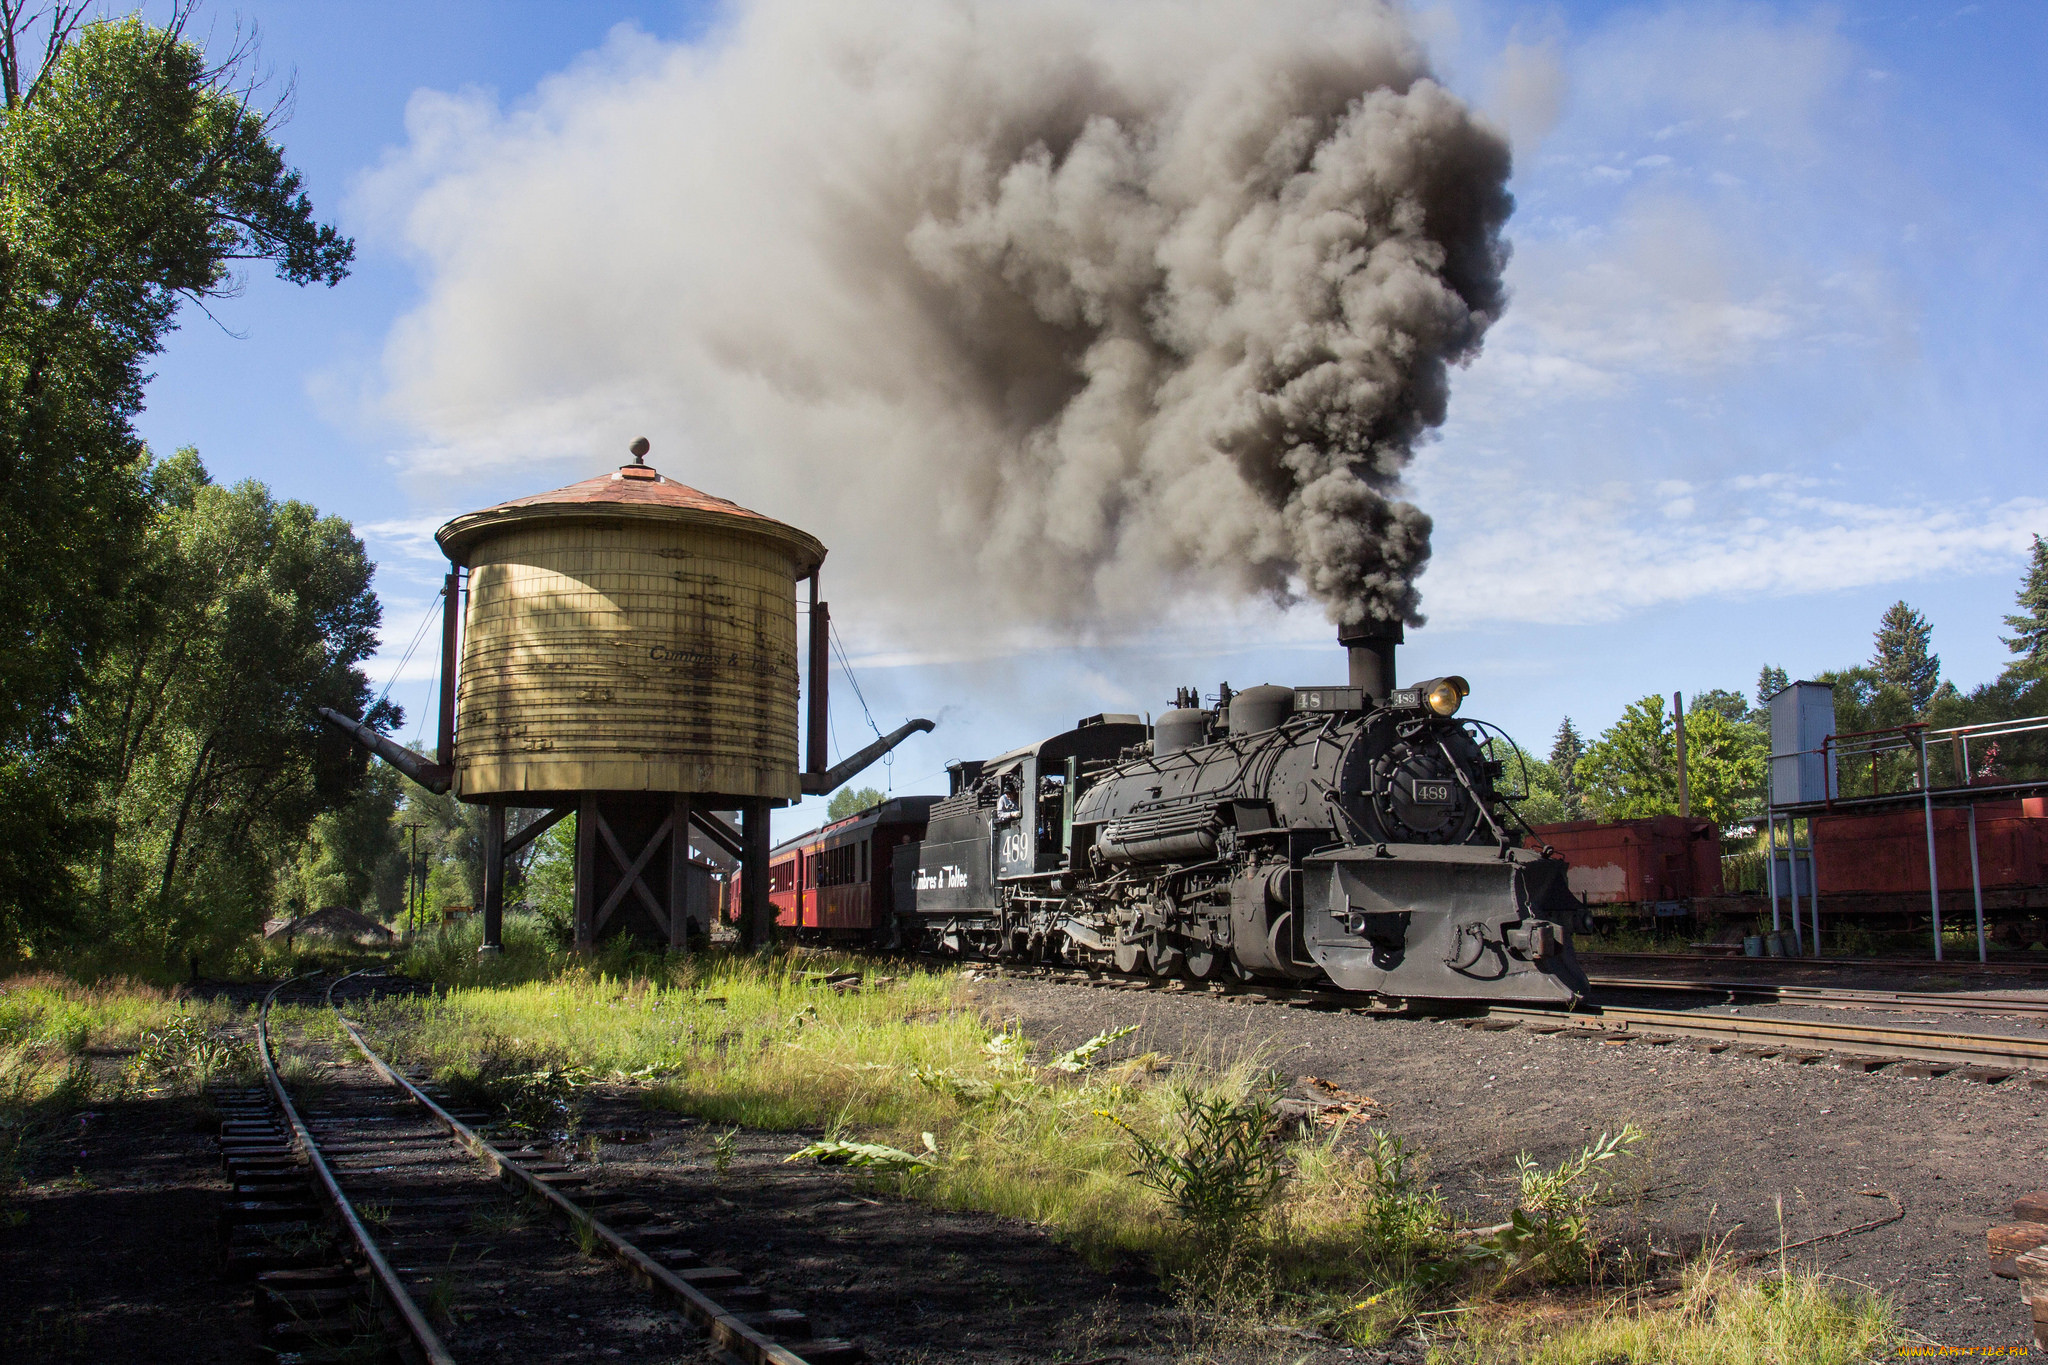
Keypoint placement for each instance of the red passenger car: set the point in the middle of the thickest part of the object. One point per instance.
(834, 884)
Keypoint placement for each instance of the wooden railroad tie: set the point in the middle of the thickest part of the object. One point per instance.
(2019, 1251)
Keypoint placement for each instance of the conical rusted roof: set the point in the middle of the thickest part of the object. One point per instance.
(633, 491)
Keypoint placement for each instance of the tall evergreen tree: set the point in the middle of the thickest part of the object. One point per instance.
(1565, 752)
(2029, 638)
(1903, 659)
(1770, 681)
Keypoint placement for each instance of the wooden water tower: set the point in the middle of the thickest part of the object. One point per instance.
(628, 655)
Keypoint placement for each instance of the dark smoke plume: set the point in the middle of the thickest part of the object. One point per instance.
(1099, 299)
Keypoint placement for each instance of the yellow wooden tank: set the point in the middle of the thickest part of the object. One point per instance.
(627, 634)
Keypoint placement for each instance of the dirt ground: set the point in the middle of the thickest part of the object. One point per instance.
(907, 1282)
(1731, 1138)
(110, 1255)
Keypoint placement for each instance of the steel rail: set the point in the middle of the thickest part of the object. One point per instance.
(385, 1278)
(1899, 1044)
(724, 1328)
(1830, 996)
(1917, 966)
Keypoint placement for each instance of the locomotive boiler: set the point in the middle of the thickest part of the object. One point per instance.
(1353, 834)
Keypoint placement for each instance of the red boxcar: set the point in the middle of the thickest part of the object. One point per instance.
(836, 881)
(1638, 862)
(1881, 853)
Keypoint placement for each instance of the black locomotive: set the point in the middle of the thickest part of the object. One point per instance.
(1354, 834)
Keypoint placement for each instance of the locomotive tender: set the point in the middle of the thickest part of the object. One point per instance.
(1351, 834)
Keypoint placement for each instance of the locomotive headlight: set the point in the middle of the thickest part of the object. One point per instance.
(1444, 698)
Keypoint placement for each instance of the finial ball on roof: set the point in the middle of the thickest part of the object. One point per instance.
(640, 449)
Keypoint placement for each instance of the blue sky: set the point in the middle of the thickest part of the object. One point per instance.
(1774, 355)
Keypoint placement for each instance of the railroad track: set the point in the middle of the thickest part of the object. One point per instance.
(1772, 965)
(449, 1246)
(1832, 997)
(1863, 1047)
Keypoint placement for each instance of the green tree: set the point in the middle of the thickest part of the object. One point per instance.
(550, 885)
(351, 855)
(133, 175)
(1902, 658)
(1770, 681)
(852, 801)
(452, 843)
(1728, 705)
(201, 724)
(1541, 801)
(1631, 770)
(1566, 749)
(2029, 638)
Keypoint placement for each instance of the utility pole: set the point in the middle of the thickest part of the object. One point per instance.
(1684, 791)
(412, 859)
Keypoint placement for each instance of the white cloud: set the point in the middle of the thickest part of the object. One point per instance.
(1615, 551)
(410, 538)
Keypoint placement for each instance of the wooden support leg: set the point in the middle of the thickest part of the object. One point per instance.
(586, 873)
(494, 878)
(756, 911)
(679, 877)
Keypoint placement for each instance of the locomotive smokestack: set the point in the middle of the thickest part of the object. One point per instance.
(1370, 644)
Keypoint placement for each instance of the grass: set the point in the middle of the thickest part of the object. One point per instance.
(122, 966)
(449, 957)
(1781, 1318)
(1180, 1164)
(1261, 1237)
(48, 1014)
(48, 1026)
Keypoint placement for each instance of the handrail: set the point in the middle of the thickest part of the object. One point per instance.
(386, 1278)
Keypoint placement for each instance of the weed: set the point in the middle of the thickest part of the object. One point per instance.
(498, 1221)
(587, 1240)
(38, 1103)
(531, 1101)
(185, 1051)
(1402, 1224)
(1550, 1230)
(1081, 1058)
(1222, 1168)
(441, 1298)
(722, 1150)
(872, 1156)
(301, 1073)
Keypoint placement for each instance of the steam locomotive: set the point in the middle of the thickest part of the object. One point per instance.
(1354, 835)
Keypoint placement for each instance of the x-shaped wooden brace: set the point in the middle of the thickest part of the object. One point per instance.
(633, 867)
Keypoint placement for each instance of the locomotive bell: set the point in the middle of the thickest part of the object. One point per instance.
(1371, 647)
